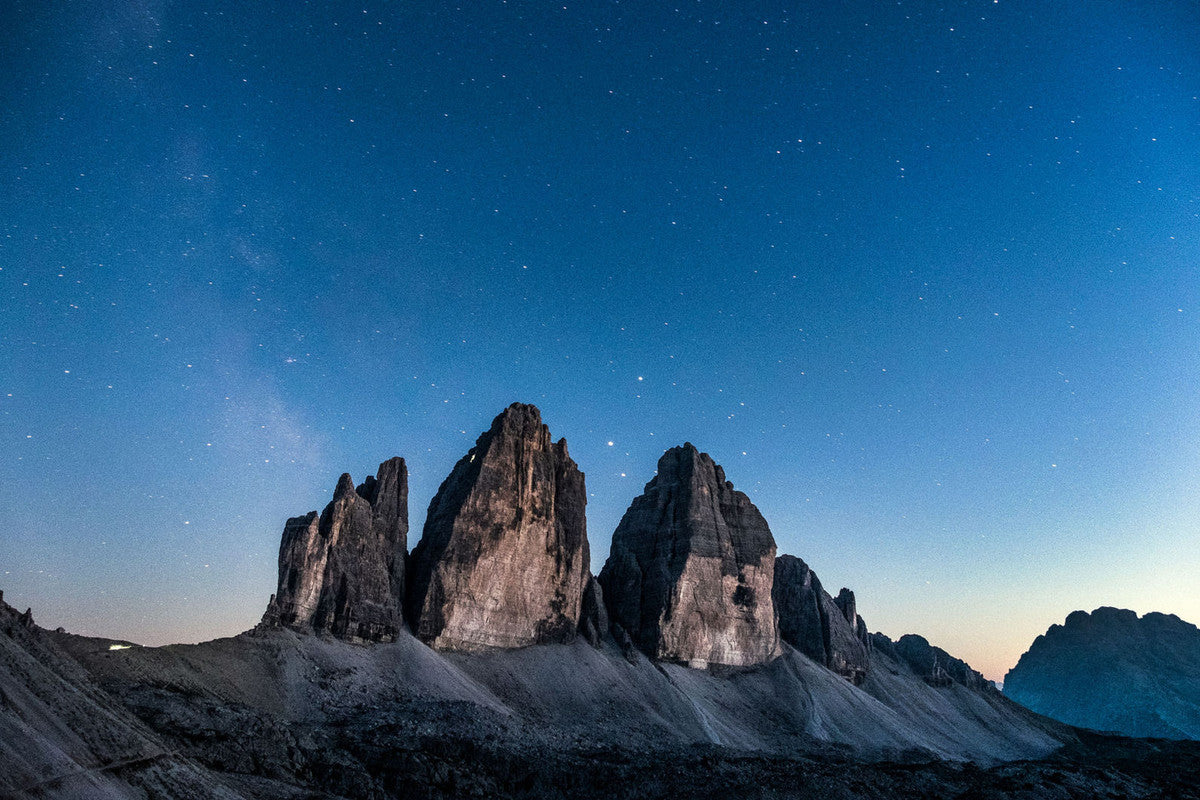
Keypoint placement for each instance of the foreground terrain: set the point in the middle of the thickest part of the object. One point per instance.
(282, 715)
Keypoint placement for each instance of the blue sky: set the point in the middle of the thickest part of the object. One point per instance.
(922, 277)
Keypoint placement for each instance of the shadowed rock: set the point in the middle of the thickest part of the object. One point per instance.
(826, 630)
(690, 572)
(846, 602)
(343, 572)
(796, 593)
(503, 559)
(593, 617)
(1114, 671)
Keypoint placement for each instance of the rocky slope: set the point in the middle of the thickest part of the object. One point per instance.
(62, 737)
(1110, 670)
(691, 568)
(343, 572)
(503, 560)
(288, 715)
(279, 715)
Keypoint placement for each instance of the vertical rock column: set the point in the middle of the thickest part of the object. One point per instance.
(503, 560)
(692, 564)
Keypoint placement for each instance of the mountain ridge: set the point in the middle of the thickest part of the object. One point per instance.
(1111, 670)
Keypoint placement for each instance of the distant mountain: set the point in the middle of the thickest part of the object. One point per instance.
(1110, 670)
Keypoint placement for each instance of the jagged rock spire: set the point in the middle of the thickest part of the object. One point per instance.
(827, 630)
(503, 560)
(342, 572)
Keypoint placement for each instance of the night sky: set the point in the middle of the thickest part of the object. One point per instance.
(924, 278)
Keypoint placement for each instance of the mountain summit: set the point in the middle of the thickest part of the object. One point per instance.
(503, 560)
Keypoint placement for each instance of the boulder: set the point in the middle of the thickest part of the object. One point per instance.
(342, 572)
(503, 560)
(691, 568)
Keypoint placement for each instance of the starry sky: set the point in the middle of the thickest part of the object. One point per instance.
(924, 277)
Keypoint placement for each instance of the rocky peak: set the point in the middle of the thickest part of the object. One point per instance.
(342, 572)
(849, 607)
(691, 568)
(503, 560)
(1111, 670)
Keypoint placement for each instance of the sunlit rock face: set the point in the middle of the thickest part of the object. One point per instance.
(503, 560)
(690, 572)
(342, 572)
(827, 630)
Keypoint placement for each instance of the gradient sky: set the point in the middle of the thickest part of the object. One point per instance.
(924, 277)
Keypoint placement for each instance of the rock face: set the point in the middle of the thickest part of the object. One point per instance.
(824, 629)
(503, 560)
(343, 572)
(849, 608)
(690, 572)
(1110, 670)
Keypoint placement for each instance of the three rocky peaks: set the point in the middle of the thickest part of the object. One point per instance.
(503, 561)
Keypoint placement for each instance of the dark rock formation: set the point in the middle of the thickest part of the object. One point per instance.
(593, 617)
(849, 607)
(824, 629)
(932, 664)
(690, 572)
(1110, 670)
(797, 596)
(343, 572)
(503, 560)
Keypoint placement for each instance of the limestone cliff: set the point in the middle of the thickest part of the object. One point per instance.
(690, 572)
